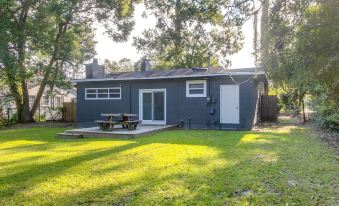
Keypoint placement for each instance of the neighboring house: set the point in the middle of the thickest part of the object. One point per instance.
(5, 103)
(50, 101)
(189, 97)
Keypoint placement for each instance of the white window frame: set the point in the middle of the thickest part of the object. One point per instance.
(51, 100)
(31, 100)
(188, 82)
(96, 94)
(44, 103)
(57, 101)
(161, 122)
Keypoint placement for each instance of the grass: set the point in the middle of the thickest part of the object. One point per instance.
(276, 166)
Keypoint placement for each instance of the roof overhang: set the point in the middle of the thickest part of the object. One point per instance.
(170, 77)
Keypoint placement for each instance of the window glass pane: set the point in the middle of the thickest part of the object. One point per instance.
(57, 101)
(114, 96)
(102, 96)
(103, 91)
(198, 86)
(52, 102)
(147, 106)
(31, 98)
(159, 106)
(45, 100)
(114, 91)
(196, 91)
(91, 91)
(91, 96)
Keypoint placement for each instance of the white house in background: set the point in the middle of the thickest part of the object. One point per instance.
(50, 101)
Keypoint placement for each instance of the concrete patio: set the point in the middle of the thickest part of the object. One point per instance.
(116, 133)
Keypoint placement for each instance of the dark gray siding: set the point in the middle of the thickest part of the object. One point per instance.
(90, 110)
(193, 111)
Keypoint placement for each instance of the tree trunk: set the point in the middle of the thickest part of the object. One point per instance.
(61, 31)
(21, 63)
(25, 111)
(263, 32)
(14, 89)
(19, 108)
(303, 107)
(255, 37)
(40, 92)
(177, 29)
(26, 117)
(263, 22)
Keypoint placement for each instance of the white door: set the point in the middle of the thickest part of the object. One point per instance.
(152, 106)
(229, 104)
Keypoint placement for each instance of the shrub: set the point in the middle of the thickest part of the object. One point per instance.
(327, 115)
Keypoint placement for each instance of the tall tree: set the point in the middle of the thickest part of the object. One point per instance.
(302, 52)
(279, 23)
(317, 49)
(47, 39)
(263, 30)
(193, 33)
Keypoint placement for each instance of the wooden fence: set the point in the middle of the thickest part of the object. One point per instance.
(70, 112)
(268, 108)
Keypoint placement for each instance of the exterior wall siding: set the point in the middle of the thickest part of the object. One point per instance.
(193, 111)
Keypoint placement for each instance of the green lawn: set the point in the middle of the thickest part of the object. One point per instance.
(272, 167)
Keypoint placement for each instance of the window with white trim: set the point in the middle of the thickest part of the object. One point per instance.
(57, 101)
(31, 100)
(103, 93)
(45, 101)
(196, 88)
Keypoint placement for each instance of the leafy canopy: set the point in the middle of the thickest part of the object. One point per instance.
(192, 33)
(46, 41)
(302, 53)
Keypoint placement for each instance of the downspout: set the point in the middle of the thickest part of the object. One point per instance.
(182, 125)
(208, 102)
(130, 99)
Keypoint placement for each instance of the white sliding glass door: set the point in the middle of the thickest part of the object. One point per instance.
(152, 106)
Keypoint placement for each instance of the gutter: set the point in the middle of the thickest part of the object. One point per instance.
(164, 77)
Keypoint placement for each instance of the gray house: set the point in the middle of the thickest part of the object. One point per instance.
(200, 98)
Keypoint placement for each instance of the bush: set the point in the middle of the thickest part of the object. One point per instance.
(332, 121)
(62, 109)
(13, 119)
(328, 121)
(285, 103)
(41, 119)
(2, 122)
(327, 115)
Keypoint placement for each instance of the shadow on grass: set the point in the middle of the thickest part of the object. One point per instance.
(242, 163)
(30, 134)
(37, 173)
(25, 160)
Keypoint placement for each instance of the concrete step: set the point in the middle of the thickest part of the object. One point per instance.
(66, 135)
(229, 128)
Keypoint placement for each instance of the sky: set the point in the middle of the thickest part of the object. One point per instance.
(108, 49)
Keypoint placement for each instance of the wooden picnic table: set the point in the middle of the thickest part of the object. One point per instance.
(126, 121)
(111, 116)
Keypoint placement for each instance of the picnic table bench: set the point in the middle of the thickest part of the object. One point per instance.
(126, 121)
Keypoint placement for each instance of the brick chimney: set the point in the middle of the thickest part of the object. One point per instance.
(94, 70)
(145, 65)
